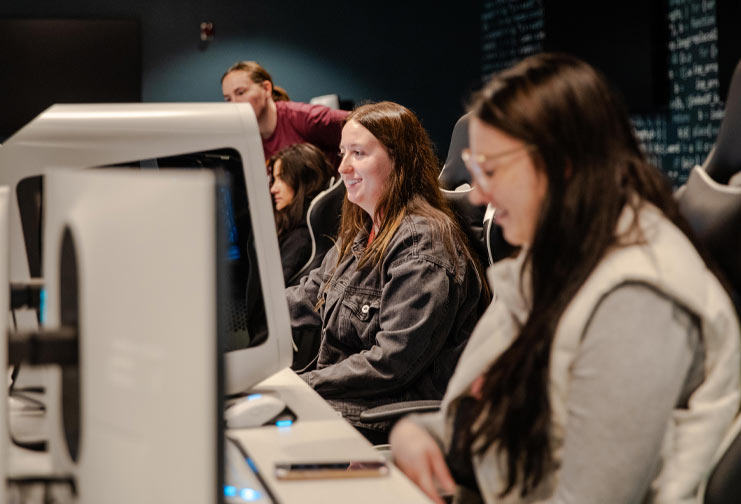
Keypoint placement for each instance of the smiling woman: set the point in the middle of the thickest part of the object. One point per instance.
(607, 368)
(393, 304)
(365, 167)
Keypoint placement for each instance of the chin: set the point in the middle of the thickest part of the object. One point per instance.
(354, 201)
(515, 240)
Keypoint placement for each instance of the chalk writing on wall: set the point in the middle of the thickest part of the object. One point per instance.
(674, 140)
(509, 32)
(684, 136)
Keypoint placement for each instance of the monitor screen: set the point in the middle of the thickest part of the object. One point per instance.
(246, 320)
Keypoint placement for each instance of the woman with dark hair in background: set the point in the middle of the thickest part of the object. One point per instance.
(300, 172)
(393, 304)
(282, 122)
(607, 368)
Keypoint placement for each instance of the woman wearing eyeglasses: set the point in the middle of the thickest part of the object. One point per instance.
(607, 367)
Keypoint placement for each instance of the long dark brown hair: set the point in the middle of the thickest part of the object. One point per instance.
(305, 169)
(587, 149)
(258, 75)
(411, 187)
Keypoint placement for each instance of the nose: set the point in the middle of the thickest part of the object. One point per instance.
(274, 188)
(345, 165)
(478, 197)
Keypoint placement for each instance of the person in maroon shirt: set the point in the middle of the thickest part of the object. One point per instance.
(282, 122)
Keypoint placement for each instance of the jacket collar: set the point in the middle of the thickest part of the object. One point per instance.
(510, 284)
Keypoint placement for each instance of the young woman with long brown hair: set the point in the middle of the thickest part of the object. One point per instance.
(299, 173)
(395, 301)
(607, 368)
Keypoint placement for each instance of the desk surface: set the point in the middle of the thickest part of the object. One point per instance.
(319, 434)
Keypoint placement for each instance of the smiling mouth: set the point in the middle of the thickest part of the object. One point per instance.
(352, 182)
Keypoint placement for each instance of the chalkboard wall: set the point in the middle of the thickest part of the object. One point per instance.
(679, 135)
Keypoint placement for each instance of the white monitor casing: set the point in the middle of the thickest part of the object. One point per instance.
(74, 137)
(79, 137)
(146, 255)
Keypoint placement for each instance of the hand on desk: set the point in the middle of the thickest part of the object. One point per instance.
(419, 457)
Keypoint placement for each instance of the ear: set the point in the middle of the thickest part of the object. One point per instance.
(267, 86)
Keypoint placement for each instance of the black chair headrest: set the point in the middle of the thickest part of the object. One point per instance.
(471, 219)
(724, 160)
(713, 211)
(454, 172)
(323, 220)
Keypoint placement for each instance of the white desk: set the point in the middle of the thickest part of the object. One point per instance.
(318, 434)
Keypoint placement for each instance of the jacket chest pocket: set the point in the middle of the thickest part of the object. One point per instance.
(359, 319)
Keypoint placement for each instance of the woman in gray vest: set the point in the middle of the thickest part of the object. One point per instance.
(607, 368)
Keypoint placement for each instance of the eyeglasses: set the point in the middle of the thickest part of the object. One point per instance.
(474, 162)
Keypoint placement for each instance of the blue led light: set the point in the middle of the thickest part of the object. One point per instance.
(284, 423)
(230, 491)
(252, 465)
(253, 396)
(42, 306)
(249, 494)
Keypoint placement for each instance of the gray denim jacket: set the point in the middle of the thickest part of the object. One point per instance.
(390, 334)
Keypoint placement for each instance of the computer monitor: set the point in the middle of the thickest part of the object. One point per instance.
(138, 269)
(76, 137)
(245, 306)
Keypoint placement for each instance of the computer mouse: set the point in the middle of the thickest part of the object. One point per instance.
(253, 411)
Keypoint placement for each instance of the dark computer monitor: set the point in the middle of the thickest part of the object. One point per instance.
(245, 304)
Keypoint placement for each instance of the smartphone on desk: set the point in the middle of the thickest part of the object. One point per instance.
(325, 470)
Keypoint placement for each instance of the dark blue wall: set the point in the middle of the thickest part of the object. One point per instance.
(421, 54)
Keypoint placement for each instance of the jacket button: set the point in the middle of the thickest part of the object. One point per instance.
(365, 309)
